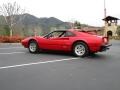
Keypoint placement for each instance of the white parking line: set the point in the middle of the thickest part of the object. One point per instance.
(11, 53)
(12, 48)
(36, 63)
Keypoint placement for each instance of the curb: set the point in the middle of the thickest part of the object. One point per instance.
(10, 43)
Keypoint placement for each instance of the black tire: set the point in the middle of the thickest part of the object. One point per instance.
(80, 49)
(33, 47)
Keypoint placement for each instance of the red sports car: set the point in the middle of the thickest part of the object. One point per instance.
(77, 42)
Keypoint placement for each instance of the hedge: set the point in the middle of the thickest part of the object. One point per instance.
(13, 39)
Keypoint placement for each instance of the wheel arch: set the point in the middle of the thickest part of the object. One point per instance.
(79, 41)
(32, 40)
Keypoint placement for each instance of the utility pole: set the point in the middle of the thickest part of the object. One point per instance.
(104, 9)
(105, 31)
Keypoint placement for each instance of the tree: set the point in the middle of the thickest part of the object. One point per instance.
(118, 31)
(77, 25)
(7, 30)
(12, 13)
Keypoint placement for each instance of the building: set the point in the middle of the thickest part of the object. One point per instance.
(110, 26)
(94, 30)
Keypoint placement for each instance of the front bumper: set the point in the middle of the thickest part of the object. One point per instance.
(24, 43)
(105, 47)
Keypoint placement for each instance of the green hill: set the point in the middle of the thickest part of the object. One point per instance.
(29, 24)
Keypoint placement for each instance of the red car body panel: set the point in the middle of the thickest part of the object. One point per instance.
(94, 42)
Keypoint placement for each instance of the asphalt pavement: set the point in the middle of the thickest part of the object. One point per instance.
(21, 70)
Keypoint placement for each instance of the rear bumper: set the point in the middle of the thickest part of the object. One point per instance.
(105, 47)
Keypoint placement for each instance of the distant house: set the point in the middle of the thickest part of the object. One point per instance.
(110, 26)
(94, 30)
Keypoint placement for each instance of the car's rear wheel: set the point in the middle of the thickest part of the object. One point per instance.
(80, 49)
(33, 47)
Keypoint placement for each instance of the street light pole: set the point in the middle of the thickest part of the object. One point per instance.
(104, 9)
(105, 27)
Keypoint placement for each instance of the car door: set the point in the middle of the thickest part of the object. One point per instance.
(52, 43)
(59, 43)
(55, 43)
(62, 42)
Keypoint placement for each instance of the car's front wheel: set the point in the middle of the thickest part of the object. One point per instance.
(80, 49)
(33, 47)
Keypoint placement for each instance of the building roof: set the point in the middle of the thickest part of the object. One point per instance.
(92, 29)
(110, 18)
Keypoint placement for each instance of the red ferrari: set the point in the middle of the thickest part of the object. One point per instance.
(77, 42)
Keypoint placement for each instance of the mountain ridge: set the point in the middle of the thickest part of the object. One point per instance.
(30, 24)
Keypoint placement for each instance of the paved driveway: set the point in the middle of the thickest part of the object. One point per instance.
(20, 70)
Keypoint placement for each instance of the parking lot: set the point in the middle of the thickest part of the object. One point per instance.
(21, 70)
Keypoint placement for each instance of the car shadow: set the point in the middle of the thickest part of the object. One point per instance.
(97, 56)
(60, 53)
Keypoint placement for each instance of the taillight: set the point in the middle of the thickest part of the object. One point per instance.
(105, 40)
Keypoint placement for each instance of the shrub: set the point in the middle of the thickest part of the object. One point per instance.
(13, 39)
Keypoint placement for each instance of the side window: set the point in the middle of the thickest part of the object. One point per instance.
(69, 34)
(55, 34)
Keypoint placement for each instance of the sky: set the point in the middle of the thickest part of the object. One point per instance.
(89, 12)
